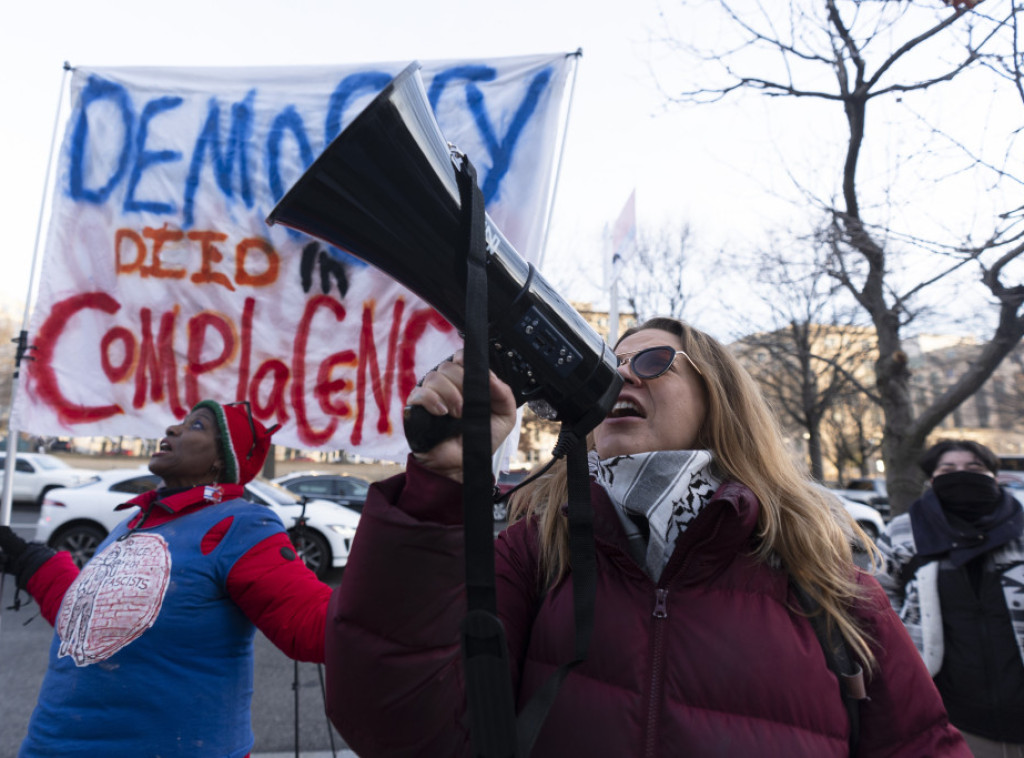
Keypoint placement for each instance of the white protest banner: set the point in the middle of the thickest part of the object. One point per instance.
(161, 283)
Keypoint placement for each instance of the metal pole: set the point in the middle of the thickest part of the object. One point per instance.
(12, 431)
(613, 312)
(561, 153)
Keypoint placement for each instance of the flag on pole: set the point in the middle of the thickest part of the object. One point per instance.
(621, 245)
(623, 236)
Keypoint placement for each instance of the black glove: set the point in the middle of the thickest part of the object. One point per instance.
(19, 558)
(11, 547)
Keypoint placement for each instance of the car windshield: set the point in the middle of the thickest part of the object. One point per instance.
(136, 485)
(355, 487)
(275, 493)
(48, 462)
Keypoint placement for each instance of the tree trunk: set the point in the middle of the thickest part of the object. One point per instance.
(814, 453)
(901, 446)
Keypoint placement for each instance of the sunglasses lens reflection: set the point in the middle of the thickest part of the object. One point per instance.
(650, 363)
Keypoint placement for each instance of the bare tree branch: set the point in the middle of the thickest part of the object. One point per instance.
(878, 52)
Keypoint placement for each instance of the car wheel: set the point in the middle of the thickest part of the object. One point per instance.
(313, 550)
(81, 540)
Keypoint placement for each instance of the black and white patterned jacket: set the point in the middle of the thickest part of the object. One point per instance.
(917, 604)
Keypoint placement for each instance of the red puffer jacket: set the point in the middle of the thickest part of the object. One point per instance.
(725, 668)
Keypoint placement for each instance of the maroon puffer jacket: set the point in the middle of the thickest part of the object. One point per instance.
(727, 670)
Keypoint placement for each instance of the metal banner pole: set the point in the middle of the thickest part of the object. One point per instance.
(22, 339)
(561, 154)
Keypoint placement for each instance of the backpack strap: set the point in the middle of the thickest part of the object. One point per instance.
(839, 660)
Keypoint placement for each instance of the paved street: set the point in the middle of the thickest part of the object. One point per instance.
(24, 647)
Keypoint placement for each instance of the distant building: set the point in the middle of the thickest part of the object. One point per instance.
(819, 369)
(851, 430)
(994, 415)
(599, 320)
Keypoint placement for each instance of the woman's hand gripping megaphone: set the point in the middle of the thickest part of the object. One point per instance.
(433, 414)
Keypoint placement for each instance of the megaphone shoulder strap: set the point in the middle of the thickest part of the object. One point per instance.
(489, 700)
(584, 590)
(494, 730)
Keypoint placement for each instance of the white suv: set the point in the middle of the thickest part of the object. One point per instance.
(78, 519)
(35, 474)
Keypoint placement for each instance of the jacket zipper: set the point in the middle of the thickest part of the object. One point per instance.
(661, 603)
(660, 613)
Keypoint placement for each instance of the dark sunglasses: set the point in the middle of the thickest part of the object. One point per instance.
(652, 362)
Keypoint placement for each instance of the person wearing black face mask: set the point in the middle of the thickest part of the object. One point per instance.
(954, 572)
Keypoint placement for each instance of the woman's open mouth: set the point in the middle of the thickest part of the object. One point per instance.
(626, 409)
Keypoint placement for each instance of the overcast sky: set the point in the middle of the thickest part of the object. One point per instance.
(682, 164)
(725, 169)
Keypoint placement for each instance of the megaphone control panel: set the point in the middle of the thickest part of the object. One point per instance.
(548, 343)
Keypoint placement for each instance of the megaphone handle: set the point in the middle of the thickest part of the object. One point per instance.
(424, 431)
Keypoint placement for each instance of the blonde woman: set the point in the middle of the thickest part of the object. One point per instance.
(703, 529)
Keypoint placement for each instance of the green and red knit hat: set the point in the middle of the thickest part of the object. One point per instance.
(244, 441)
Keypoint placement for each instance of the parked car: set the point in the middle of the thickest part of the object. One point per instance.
(868, 490)
(867, 517)
(1012, 464)
(343, 489)
(35, 474)
(78, 519)
(1013, 481)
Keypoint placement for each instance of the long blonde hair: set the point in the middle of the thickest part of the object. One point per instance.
(799, 523)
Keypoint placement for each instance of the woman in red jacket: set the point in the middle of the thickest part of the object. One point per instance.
(153, 647)
(703, 530)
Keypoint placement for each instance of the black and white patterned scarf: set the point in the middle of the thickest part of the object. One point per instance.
(668, 487)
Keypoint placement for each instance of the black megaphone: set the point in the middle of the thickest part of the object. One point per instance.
(385, 189)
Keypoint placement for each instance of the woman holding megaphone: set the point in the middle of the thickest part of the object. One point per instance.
(725, 587)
